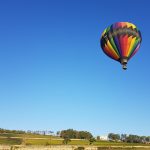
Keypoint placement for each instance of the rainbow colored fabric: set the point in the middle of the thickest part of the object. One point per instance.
(121, 40)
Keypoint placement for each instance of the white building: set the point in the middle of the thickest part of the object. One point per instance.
(104, 137)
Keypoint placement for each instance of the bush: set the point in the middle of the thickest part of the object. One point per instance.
(80, 148)
(47, 143)
(66, 140)
(103, 148)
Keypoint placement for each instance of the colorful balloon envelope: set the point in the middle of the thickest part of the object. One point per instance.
(121, 41)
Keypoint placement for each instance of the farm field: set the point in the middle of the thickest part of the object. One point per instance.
(46, 140)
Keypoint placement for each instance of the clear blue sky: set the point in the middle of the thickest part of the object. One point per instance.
(54, 75)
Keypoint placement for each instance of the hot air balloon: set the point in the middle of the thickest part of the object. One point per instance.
(121, 41)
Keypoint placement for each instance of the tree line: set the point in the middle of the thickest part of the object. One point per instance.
(73, 134)
(3, 131)
(69, 134)
(128, 138)
(11, 131)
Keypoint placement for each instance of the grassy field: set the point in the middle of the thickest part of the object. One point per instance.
(34, 139)
(10, 141)
(54, 142)
(79, 142)
(25, 135)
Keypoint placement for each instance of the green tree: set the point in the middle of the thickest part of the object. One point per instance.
(142, 139)
(58, 133)
(133, 139)
(92, 140)
(98, 138)
(73, 134)
(123, 137)
(66, 140)
(70, 133)
(114, 137)
(147, 139)
(84, 135)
